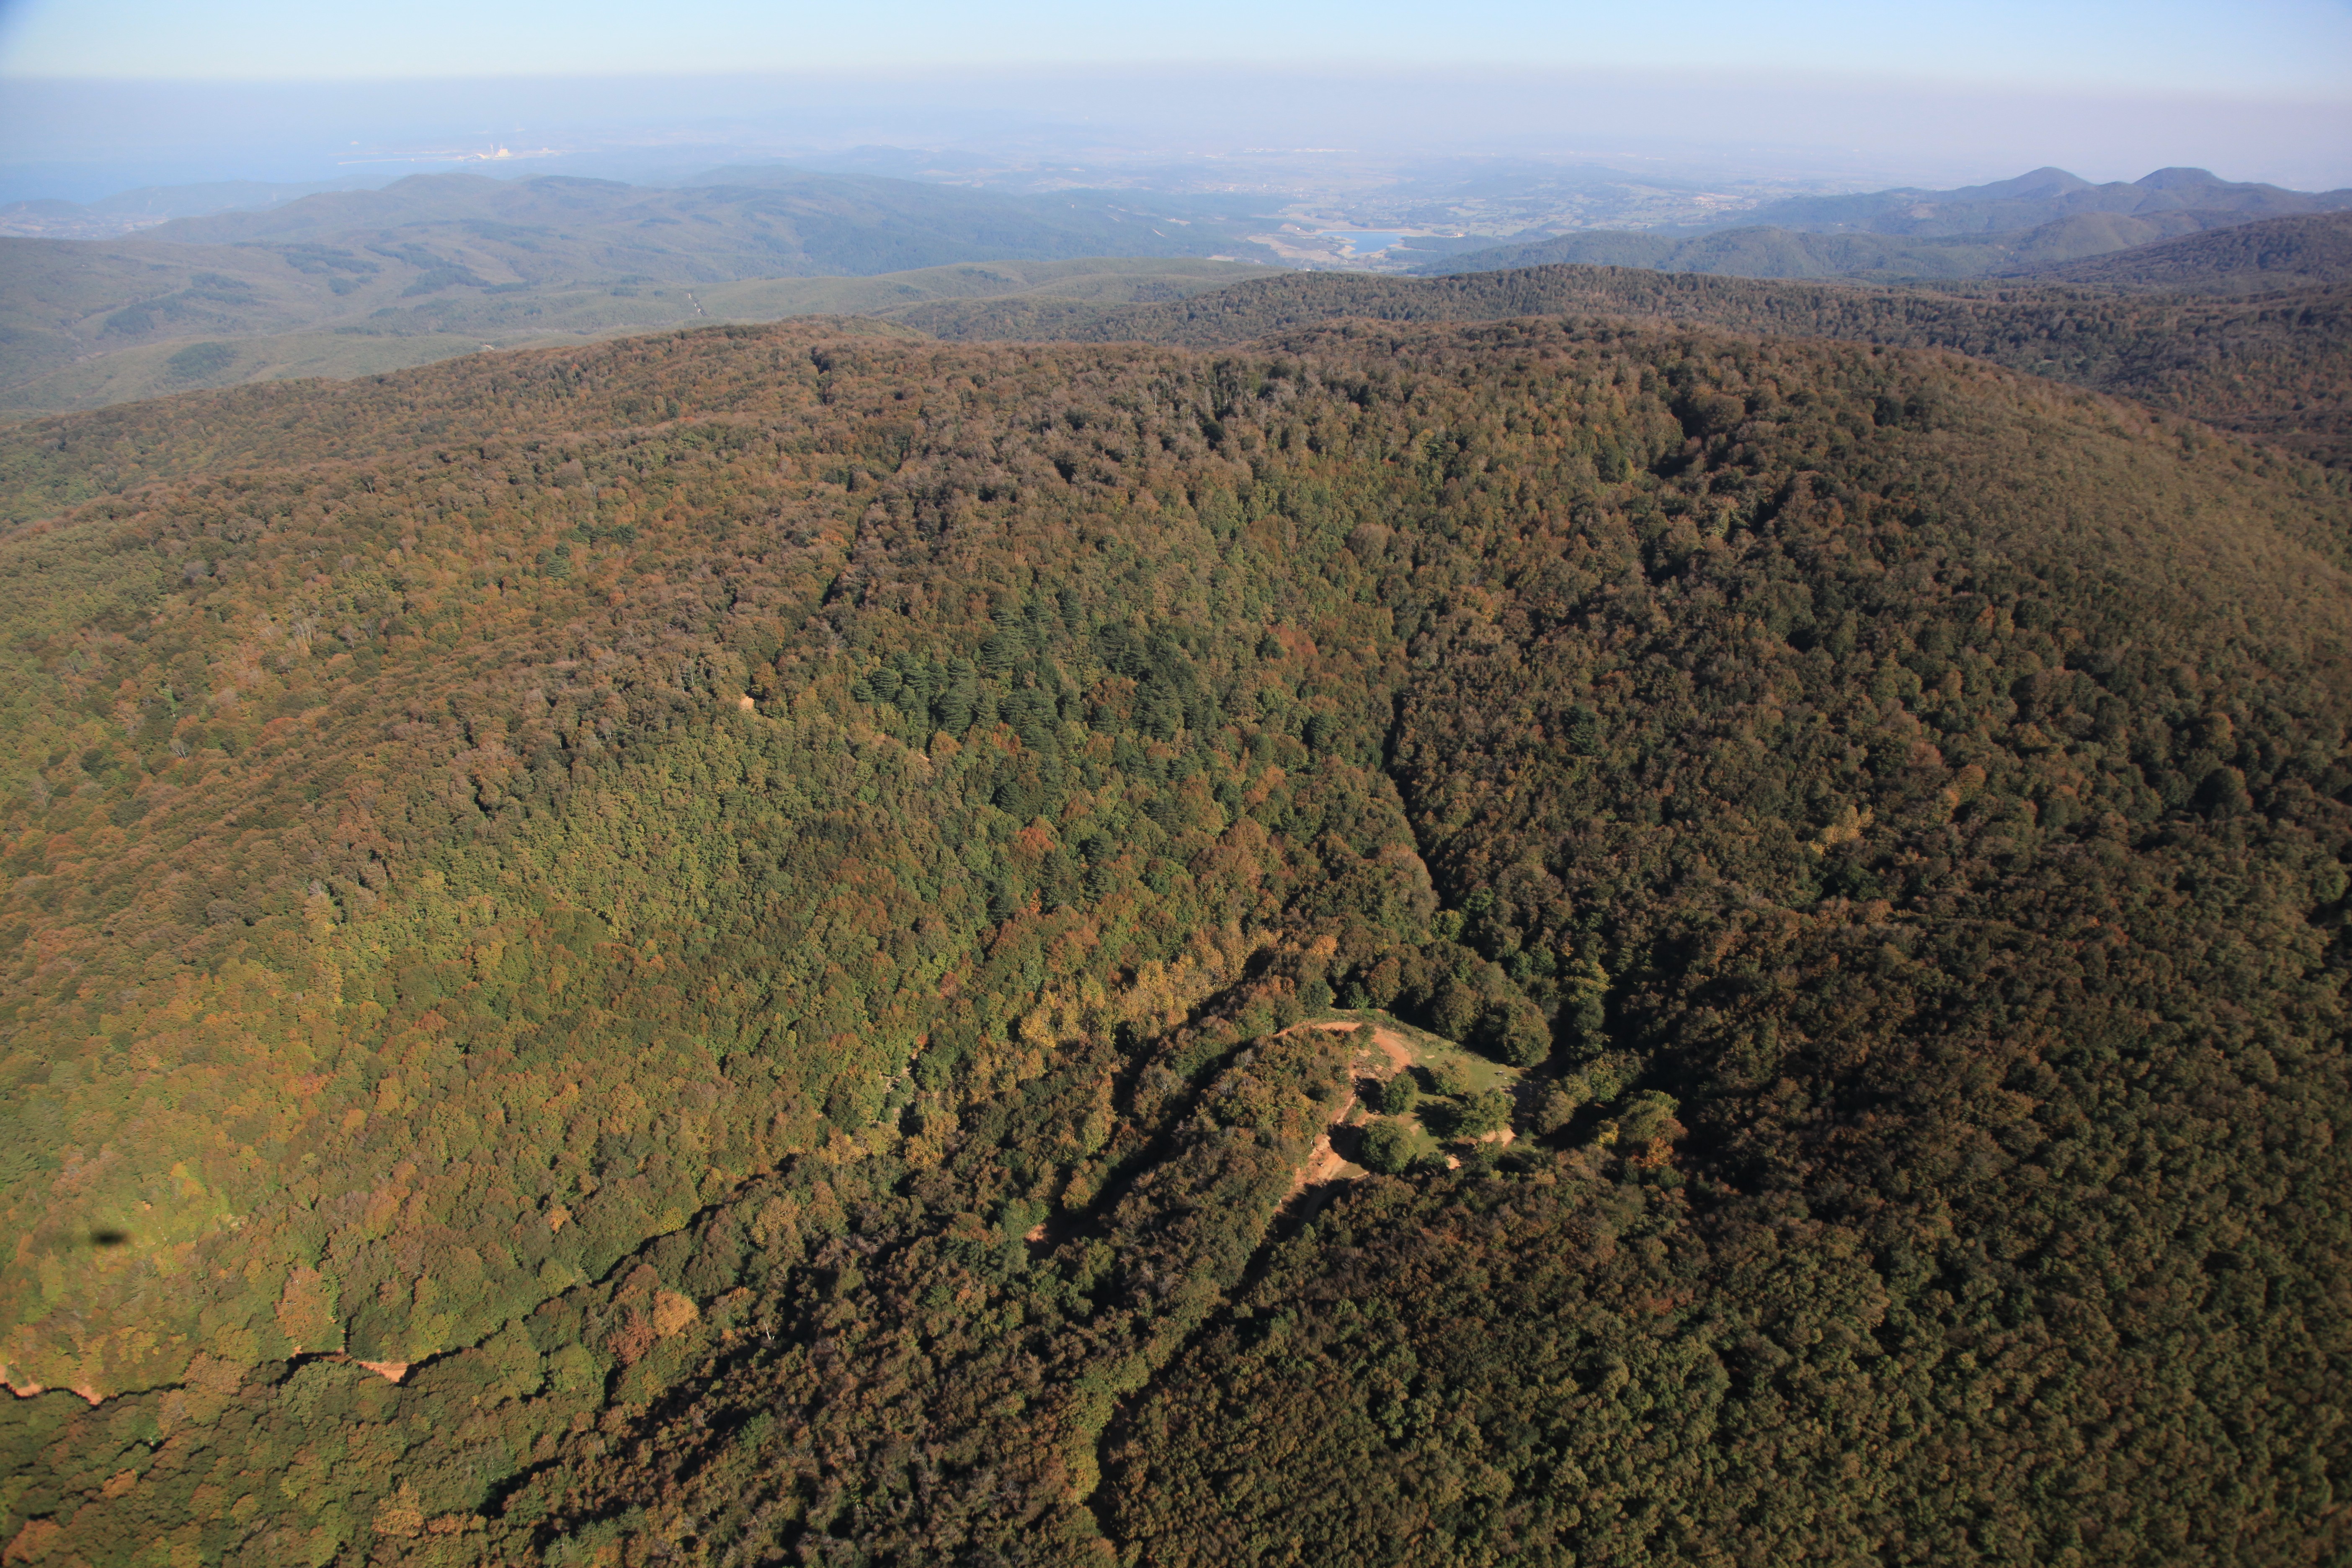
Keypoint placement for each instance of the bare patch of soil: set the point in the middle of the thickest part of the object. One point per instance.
(1394, 1047)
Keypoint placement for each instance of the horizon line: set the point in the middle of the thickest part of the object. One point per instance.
(1862, 83)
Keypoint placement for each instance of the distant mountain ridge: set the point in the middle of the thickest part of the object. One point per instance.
(1763, 251)
(2254, 257)
(2043, 195)
(359, 282)
(127, 211)
(2038, 221)
(736, 223)
(256, 318)
(441, 264)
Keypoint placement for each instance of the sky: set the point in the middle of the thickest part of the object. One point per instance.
(2246, 47)
(103, 94)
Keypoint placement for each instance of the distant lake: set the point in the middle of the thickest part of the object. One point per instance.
(1361, 242)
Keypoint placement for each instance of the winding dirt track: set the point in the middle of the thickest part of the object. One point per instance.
(1326, 1164)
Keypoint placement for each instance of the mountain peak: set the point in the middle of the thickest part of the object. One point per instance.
(2180, 178)
(2046, 181)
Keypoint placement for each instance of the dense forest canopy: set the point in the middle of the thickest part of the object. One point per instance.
(1537, 942)
(2268, 364)
(2264, 258)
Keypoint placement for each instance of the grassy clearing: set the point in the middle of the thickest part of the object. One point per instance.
(1450, 1081)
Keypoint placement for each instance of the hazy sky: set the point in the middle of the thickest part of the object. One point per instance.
(104, 95)
(2247, 47)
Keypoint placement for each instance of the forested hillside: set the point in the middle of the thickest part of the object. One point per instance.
(769, 945)
(253, 318)
(356, 282)
(1765, 251)
(2264, 258)
(748, 222)
(2272, 365)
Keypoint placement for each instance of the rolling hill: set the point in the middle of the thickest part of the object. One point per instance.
(2032, 225)
(767, 943)
(127, 211)
(2270, 366)
(1765, 252)
(357, 283)
(354, 282)
(217, 316)
(2043, 196)
(733, 223)
(2267, 256)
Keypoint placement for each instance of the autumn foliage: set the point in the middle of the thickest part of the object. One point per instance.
(740, 901)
